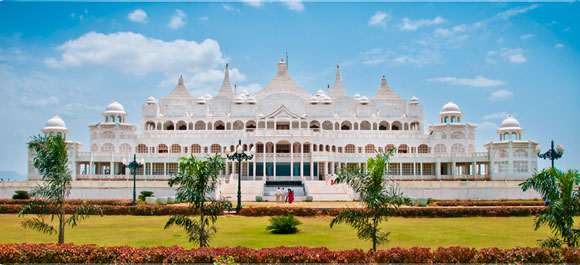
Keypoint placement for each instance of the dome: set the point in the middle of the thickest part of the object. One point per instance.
(55, 123)
(510, 123)
(450, 107)
(201, 100)
(364, 100)
(251, 99)
(208, 96)
(415, 100)
(357, 96)
(239, 100)
(116, 107)
(150, 100)
(320, 92)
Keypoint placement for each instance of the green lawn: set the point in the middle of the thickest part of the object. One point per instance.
(502, 232)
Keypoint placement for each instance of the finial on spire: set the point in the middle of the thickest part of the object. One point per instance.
(328, 89)
(235, 89)
(180, 80)
(336, 66)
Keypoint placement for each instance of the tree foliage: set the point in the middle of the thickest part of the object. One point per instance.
(51, 161)
(557, 188)
(379, 198)
(194, 182)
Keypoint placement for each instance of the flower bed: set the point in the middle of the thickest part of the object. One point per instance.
(74, 202)
(67, 253)
(300, 211)
(487, 203)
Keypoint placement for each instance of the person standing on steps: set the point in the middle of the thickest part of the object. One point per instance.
(283, 196)
(290, 196)
(278, 193)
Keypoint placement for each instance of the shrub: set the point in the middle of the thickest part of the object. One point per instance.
(21, 195)
(309, 198)
(283, 225)
(144, 194)
(258, 198)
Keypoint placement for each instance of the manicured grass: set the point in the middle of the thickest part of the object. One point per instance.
(141, 231)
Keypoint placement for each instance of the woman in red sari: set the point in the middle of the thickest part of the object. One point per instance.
(290, 196)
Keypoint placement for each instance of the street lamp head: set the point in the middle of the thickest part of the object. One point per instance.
(240, 149)
(124, 161)
(253, 150)
(538, 149)
(559, 149)
(228, 151)
(141, 161)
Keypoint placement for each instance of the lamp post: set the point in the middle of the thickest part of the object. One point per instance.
(239, 156)
(134, 165)
(551, 154)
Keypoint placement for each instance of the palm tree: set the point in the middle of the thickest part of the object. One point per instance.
(51, 161)
(195, 180)
(379, 198)
(557, 188)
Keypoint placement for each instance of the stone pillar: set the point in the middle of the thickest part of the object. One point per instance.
(254, 162)
(302, 160)
(264, 165)
(311, 162)
(453, 165)
(438, 170)
(275, 155)
(291, 157)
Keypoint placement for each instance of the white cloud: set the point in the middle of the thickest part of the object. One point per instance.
(138, 16)
(559, 45)
(449, 32)
(379, 19)
(409, 24)
(38, 101)
(294, 5)
(254, 3)
(566, 29)
(486, 126)
(508, 55)
(497, 115)
(136, 54)
(178, 20)
(204, 18)
(478, 81)
(527, 36)
(501, 94)
(552, 23)
(407, 59)
(230, 8)
(516, 11)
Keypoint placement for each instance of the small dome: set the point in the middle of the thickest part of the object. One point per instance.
(150, 100)
(364, 100)
(510, 123)
(115, 107)
(450, 107)
(55, 123)
(251, 99)
(201, 100)
(239, 100)
(320, 92)
(414, 100)
(208, 96)
(357, 96)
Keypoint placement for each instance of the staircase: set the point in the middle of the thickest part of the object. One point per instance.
(296, 186)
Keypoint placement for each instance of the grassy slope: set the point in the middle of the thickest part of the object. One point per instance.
(249, 231)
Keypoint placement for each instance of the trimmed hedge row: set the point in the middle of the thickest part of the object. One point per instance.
(403, 211)
(299, 211)
(68, 253)
(74, 202)
(487, 203)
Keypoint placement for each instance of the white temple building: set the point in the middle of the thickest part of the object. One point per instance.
(297, 137)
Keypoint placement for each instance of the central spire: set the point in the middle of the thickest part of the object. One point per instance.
(338, 88)
(282, 67)
(226, 89)
(385, 91)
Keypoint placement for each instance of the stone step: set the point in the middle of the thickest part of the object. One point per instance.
(273, 198)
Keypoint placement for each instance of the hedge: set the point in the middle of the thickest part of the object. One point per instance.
(402, 212)
(299, 211)
(68, 253)
(487, 203)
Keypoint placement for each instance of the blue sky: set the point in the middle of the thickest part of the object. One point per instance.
(492, 59)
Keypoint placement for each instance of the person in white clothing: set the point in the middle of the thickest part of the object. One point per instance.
(278, 193)
(283, 196)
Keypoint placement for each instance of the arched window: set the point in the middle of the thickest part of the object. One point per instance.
(119, 119)
(108, 147)
(125, 148)
(142, 149)
(506, 136)
(219, 125)
(327, 125)
(501, 153)
(423, 149)
(520, 153)
(349, 148)
(175, 149)
(365, 125)
(251, 125)
(168, 125)
(383, 126)
(149, 126)
(314, 125)
(238, 125)
(446, 120)
(182, 126)
(440, 148)
(457, 135)
(215, 148)
(108, 135)
(457, 148)
(200, 125)
(370, 148)
(514, 136)
(403, 149)
(452, 119)
(195, 148)
(396, 126)
(106, 118)
(389, 147)
(346, 125)
(162, 149)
